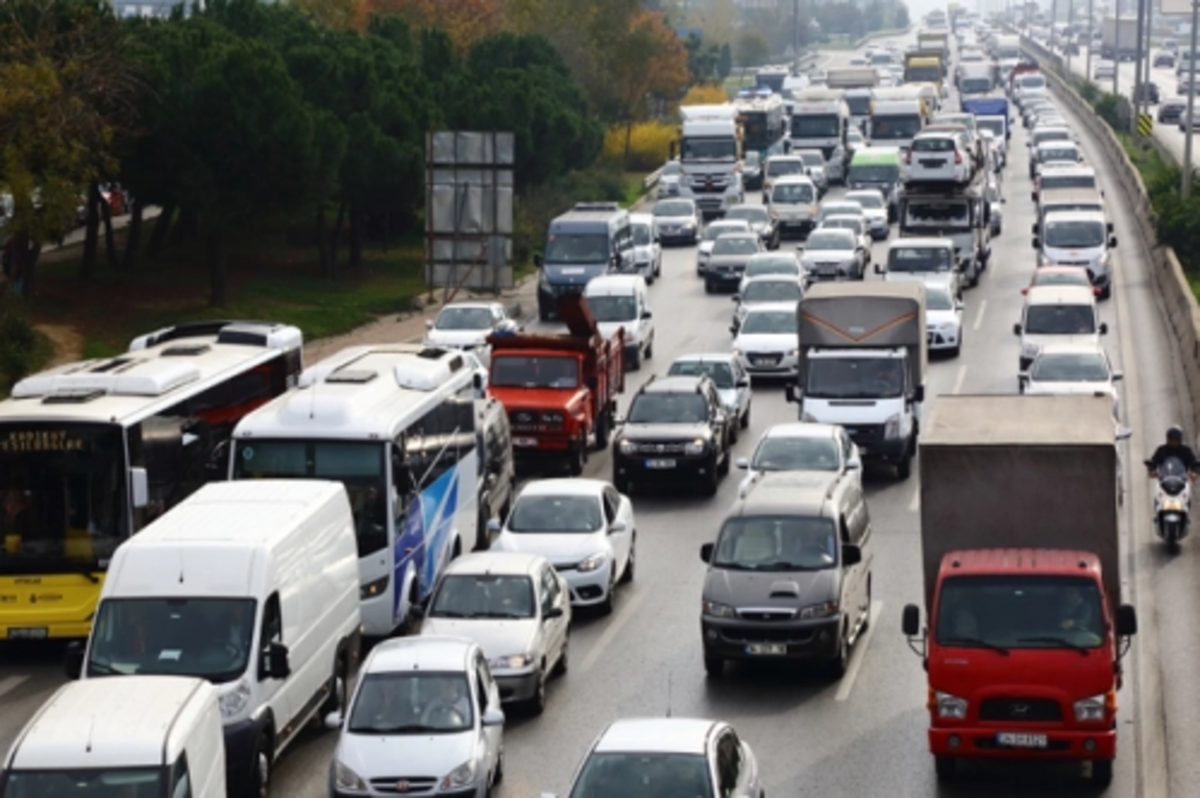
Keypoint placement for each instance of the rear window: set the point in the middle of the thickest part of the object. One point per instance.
(933, 145)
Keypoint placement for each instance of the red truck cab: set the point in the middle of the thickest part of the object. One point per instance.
(559, 390)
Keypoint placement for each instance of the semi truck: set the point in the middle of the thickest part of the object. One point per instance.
(710, 151)
(937, 41)
(851, 78)
(1119, 39)
(820, 119)
(1024, 626)
(862, 363)
(559, 390)
(924, 67)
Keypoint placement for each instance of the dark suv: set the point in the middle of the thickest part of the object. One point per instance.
(676, 432)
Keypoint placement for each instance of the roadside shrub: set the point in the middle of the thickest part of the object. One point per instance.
(22, 348)
(536, 207)
(1108, 108)
(705, 94)
(1089, 91)
(649, 145)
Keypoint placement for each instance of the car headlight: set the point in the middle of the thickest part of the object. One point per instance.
(949, 706)
(234, 702)
(694, 447)
(626, 447)
(812, 210)
(543, 280)
(511, 662)
(346, 779)
(826, 610)
(1094, 708)
(593, 563)
(891, 427)
(553, 417)
(714, 610)
(461, 776)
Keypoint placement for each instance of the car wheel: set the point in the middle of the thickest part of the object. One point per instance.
(649, 349)
(261, 788)
(745, 420)
(733, 433)
(578, 457)
(714, 666)
(537, 702)
(498, 774)
(946, 767)
(713, 482)
(904, 466)
(634, 362)
(840, 663)
(563, 663)
(631, 563)
(606, 606)
(708, 286)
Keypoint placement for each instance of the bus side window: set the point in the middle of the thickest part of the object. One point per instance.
(402, 480)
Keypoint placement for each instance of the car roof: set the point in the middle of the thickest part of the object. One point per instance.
(927, 241)
(495, 562)
(700, 357)
(666, 200)
(1049, 129)
(786, 180)
(1072, 349)
(1074, 216)
(1051, 294)
(662, 735)
(478, 305)
(773, 307)
(772, 278)
(564, 487)
(773, 255)
(675, 383)
(844, 217)
(1058, 144)
(800, 429)
(641, 218)
(625, 283)
(847, 234)
(744, 206)
(738, 225)
(422, 652)
(872, 191)
(734, 234)
(1059, 268)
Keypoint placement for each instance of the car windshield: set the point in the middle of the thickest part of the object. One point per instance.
(668, 408)
(992, 125)
(483, 596)
(933, 144)
(792, 193)
(751, 159)
(1074, 234)
(806, 126)
(1061, 277)
(777, 167)
(853, 225)
(720, 373)
(938, 298)
(874, 173)
(643, 775)
(753, 214)
(205, 637)
(920, 259)
(613, 308)
(1049, 181)
(533, 371)
(416, 703)
(642, 235)
(735, 245)
(886, 128)
(975, 85)
(453, 318)
(872, 200)
(1060, 320)
(538, 513)
(772, 291)
(91, 783)
(1070, 367)
(776, 543)
(715, 231)
(796, 454)
(1020, 612)
(674, 208)
(1046, 154)
(824, 240)
(854, 378)
(576, 248)
(1042, 136)
(772, 265)
(770, 322)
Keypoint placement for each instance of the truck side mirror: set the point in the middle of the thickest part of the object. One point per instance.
(851, 555)
(73, 662)
(911, 623)
(919, 394)
(1016, 329)
(1127, 623)
(1033, 228)
(879, 268)
(1112, 242)
(706, 552)
(1103, 329)
(275, 661)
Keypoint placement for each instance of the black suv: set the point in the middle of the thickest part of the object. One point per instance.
(676, 432)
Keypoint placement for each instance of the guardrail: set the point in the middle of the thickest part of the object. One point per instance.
(652, 179)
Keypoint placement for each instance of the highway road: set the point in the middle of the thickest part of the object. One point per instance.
(864, 735)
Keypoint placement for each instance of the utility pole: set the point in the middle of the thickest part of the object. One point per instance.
(1185, 189)
(1070, 29)
(1091, 42)
(1138, 75)
(1117, 48)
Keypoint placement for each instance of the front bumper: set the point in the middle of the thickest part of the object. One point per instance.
(981, 741)
(517, 685)
(670, 468)
(724, 276)
(872, 445)
(801, 226)
(769, 364)
(678, 235)
(738, 639)
(944, 339)
(588, 588)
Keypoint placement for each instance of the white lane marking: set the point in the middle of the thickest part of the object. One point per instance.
(626, 614)
(959, 379)
(915, 502)
(859, 653)
(979, 315)
(11, 683)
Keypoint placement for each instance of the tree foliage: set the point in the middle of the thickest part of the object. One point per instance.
(466, 21)
(725, 61)
(751, 48)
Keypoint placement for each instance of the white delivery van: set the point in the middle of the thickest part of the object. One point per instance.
(622, 300)
(252, 585)
(1058, 314)
(141, 737)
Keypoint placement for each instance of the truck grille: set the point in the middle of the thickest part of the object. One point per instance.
(1020, 709)
(866, 434)
(793, 636)
(660, 448)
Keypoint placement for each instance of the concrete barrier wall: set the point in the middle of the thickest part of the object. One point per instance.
(1167, 275)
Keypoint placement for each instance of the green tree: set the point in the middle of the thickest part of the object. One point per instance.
(751, 49)
(875, 15)
(901, 19)
(725, 61)
(701, 60)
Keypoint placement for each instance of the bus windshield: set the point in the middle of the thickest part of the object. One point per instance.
(63, 488)
(359, 465)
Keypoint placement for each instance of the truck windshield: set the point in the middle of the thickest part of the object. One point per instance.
(63, 489)
(939, 215)
(895, 128)
(992, 123)
(91, 783)
(1009, 612)
(920, 259)
(709, 149)
(825, 126)
(975, 85)
(923, 74)
(778, 167)
(860, 105)
(854, 378)
(612, 308)
(1074, 235)
(358, 465)
(1060, 320)
(776, 543)
(533, 371)
(205, 637)
(576, 248)
(792, 194)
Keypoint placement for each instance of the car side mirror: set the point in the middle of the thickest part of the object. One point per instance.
(1103, 329)
(616, 526)
(854, 465)
(647, 314)
(429, 324)
(618, 419)
(743, 382)
(73, 661)
(1127, 623)
(139, 487)
(1016, 329)
(911, 623)
(959, 305)
(1033, 228)
(493, 717)
(537, 260)
(1124, 434)
(1117, 376)
(733, 329)
(1023, 376)
(275, 661)
(706, 552)
(851, 555)
(493, 525)
(720, 418)
(333, 721)
(742, 463)
(1112, 242)
(553, 612)
(735, 298)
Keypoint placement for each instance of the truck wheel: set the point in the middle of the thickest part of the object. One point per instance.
(946, 767)
(745, 420)
(578, 456)
(603, 427)
(622, 484)
(904, 466)
(1102, 772)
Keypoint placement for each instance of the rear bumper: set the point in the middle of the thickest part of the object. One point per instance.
(981, 742)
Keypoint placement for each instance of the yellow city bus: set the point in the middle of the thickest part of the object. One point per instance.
(92, 451)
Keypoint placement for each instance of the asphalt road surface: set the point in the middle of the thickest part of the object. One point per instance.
(864, 735)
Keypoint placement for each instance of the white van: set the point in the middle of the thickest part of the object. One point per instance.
(1061, 314)
(622, 300)
(252, 585)
(1078, 238)
(925, 259)
(152, 736)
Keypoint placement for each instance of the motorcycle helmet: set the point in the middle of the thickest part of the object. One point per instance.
(1175, 433)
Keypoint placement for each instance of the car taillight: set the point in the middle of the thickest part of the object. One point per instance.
(908, 157)
(957, 156)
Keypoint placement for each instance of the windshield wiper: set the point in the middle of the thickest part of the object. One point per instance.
(976, 642)
(449, 614)
(734, 566)
(1061, 641)
(101, 667)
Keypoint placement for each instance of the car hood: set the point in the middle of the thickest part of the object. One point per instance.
(457, 338)
(765, 342)
(664, 432)
(497, 637)
(609, 328)
(374, 756)
(936, 318)
(564, 548)
(790, 589)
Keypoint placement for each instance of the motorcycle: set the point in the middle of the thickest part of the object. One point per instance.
(1172, 501)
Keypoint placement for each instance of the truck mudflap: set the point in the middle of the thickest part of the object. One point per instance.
(989, 742)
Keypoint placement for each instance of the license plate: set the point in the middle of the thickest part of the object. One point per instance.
(1017, 740)
(660, 464)
(528, 442)
(28, 633)
(767, 649)
(763, 361)
(933, 164)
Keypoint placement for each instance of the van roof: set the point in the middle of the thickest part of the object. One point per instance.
(867, 156)
(786, 493)
(614, 285)
(1059, 294)
(129, 721)
(930, 241)
(590, 216)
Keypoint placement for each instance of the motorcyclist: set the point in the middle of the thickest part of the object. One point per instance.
(1173, 448)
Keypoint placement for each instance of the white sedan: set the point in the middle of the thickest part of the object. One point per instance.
(583, 526)
(766, 340)
(1072, 368)
(466, 325)
(943, 318)
(803, 446)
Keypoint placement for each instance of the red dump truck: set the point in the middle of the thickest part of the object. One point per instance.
(559, 390)
(1025, 629)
